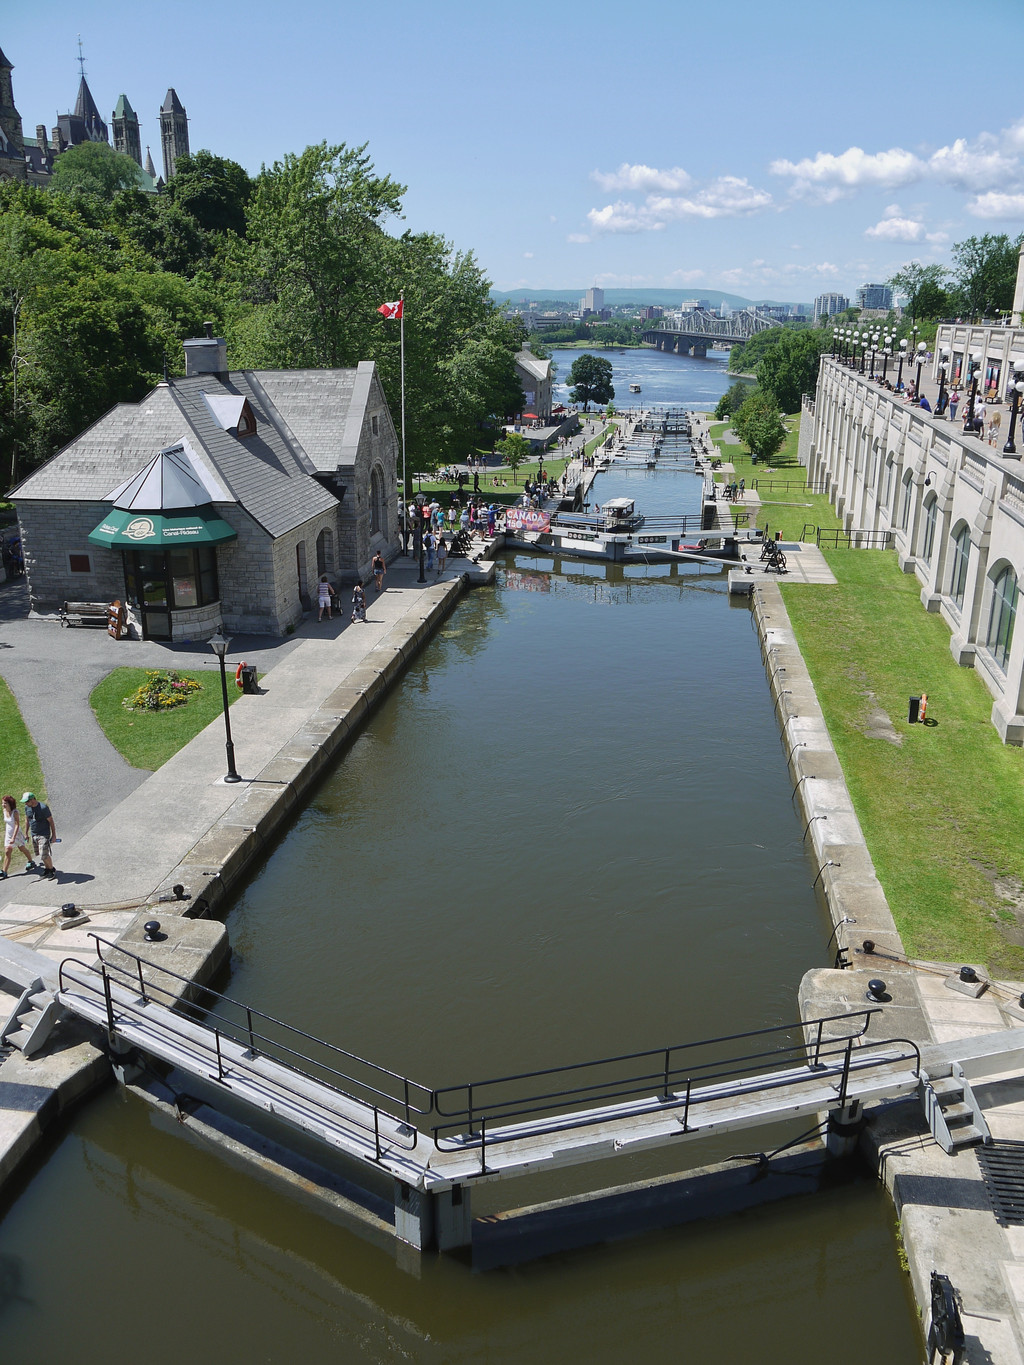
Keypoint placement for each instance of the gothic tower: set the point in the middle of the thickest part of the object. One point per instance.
(126, 130)
(12, 142)
(173, 132)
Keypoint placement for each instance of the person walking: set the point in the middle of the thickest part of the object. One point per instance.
(954, 403)
(379, 570)
(43, 832)
(358, 603)
(442, 552)
(430, 545)
(324, 593)
(14, 837)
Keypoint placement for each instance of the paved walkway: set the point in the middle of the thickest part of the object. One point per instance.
(111, 852)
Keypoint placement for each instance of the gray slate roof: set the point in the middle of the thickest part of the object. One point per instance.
(270, 474)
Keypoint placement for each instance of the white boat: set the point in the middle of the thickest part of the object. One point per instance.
(634, 388)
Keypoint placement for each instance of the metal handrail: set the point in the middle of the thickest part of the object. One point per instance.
(662, 1052)
(406, 1137)
(463, 1134)
(415, 1098)
(854, 539)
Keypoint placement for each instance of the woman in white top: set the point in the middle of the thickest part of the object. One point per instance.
(14, 835)
(324, 593)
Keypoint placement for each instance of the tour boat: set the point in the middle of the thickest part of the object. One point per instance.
(634, 388)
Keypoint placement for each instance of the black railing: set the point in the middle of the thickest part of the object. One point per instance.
(563, 1098)
(851, 540)
(348, 1075)
(787, 485)
(548, 1101)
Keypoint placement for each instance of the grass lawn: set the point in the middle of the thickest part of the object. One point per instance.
(506, 491)
(940, 809)
(782, 509)
(19, 763)
(146, 739)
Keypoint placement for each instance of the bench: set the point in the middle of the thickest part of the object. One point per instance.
(85, 614)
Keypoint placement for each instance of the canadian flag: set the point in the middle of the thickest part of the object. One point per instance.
(391, 310)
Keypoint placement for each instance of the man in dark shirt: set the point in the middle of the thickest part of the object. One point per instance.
(42, 831)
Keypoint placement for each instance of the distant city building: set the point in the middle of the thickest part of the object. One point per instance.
(874, 296)
(653, 311)
(592, 301)
(535, 377)
(691, 305)
(825, 305)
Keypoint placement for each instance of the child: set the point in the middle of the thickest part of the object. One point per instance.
(358, 603)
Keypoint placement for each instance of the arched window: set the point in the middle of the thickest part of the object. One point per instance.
(961, 556)
(325, 552)
(928, 539)
(908, 494)
(1002, 615)
(890, 474)
(378, 510)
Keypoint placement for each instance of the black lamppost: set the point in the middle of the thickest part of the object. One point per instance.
(874, 352)
(863, 350)
(886, 353)
(219, 645)
(940, 402)
(973, 366)
(1016, 389)
(903, 356)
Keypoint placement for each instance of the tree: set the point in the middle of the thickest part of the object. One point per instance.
(93, 169)
(213, 190)
(985, 273)
(759, 423)
(591, 380)
(924, 288)
(733, 399)
(788, 367)
(514, 450)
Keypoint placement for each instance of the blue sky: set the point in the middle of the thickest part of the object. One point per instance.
(772, 150)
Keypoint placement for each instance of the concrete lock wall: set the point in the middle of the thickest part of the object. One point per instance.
(890, 467)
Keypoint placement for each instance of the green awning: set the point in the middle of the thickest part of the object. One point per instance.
(196, 526)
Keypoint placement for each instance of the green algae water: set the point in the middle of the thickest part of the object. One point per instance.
(568, 832)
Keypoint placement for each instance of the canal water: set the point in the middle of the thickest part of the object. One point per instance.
(568, 833)
(663, 377)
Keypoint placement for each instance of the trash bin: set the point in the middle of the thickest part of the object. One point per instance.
(915, 710)
(250, 687)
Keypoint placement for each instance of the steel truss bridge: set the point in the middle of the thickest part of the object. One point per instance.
(700, 329)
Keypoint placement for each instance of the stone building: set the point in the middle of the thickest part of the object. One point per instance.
(218, 499)
(951, 506)
(126, 130)
(535, 377)
(173, 131)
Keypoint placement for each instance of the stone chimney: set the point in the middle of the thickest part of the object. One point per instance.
(207, 354)
(41, 138)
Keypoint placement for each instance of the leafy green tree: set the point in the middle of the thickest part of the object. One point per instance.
(924, 286)
(93, 169)
(590, 378)
(514, 449)
(733, 399)
(984, 273)
(212, 190)
(784, 361)
(759, 424)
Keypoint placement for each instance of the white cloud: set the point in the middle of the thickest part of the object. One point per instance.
(937, 238)
(528, 255)
(642, 179)
(828, 177)
(997, 205)
(687, 276)
(577, 237)
(729, 196)
(896, 226)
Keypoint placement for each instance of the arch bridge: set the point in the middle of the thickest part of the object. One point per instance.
(700, 329)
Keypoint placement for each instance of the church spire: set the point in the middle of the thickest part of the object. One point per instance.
(173, 131)
(150, 169)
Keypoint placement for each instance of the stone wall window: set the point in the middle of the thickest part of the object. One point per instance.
(325, 552)
(890, 474)
(961, 557)
(1002, 615)
(928, 540)
(908, 495)
(378, 511)
(375, 424)
(79, 561)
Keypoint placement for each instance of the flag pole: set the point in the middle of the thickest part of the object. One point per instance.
(401, 323)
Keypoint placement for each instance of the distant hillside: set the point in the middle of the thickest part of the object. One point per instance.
(664, 297)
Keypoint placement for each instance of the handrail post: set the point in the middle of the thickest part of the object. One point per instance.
(376, 1130)
(846, 1073)
(665, 1089)
(469, 1108)
(142, 980)
(483, 1145)
(686, 1107)
(220, 1067)
(817, 1043)
(405, 1086)
(248, 1020)
(109, 1002)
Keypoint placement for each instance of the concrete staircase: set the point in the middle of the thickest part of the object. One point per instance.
(31, 1021)
(954, 1115)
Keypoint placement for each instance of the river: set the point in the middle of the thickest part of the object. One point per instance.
(568, 832)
